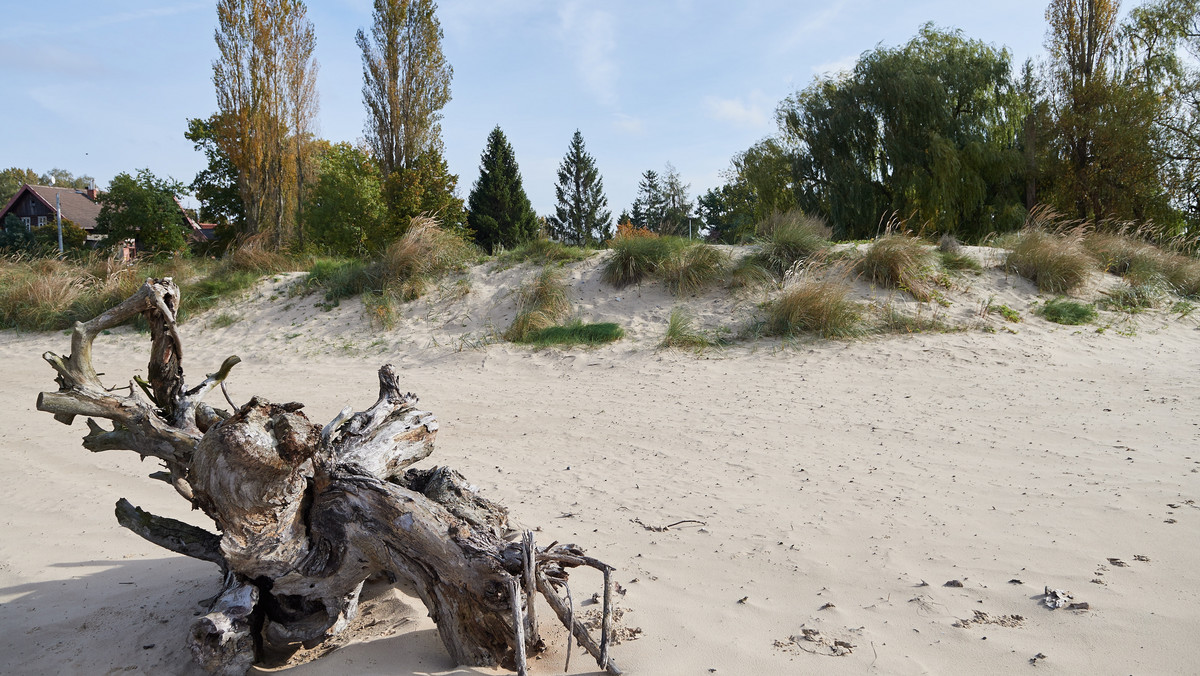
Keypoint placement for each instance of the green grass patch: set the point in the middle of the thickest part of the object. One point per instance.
(1133, 298)
(542, 252)
(1070, 312)
(575, 333)
(959, 261)
(893, 320)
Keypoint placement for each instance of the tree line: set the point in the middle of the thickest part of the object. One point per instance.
(943, 132)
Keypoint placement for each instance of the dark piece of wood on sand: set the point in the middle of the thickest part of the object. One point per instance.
(306, 514)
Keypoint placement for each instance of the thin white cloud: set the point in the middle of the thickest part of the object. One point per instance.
(590, 34)
(818, 21)
(754, 113)
(92, 22)
(629, 124)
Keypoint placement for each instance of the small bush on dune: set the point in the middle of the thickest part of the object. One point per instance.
(1056, 263)
(693, 268)
(542, 303)
(899, 261)
(822, 307)
(682, 334)
(1069, 312)
(785, 239)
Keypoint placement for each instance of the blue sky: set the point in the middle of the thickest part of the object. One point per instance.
(104, 87)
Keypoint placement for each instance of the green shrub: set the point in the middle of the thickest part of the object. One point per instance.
(575, 333)
(1070, 312)
(693, 268)
(1056, 263)
(899, 261)
(785, 239)
(822, 307)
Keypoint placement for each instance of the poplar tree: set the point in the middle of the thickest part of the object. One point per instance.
(406, 82)
(499, 212)
(264, 78)
(580, 217)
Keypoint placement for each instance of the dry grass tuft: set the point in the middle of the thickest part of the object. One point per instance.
(1057, 263)
(543, 302)
(785, 239)
(693, 269)
(818, 306)
(899, 261)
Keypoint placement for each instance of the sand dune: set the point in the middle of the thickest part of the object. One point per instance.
(838, 485)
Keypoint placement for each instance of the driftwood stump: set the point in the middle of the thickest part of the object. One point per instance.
(306, 514)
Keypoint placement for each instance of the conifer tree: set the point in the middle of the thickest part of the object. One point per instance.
(499, 211)
(647, 210)
(580, 218)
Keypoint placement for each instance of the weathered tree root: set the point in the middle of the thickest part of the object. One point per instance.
(306, 514)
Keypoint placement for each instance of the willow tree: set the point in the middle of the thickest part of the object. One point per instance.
(406, 81)
(266, 99)
(928, 130)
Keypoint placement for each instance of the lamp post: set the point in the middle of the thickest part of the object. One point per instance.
(58, 218)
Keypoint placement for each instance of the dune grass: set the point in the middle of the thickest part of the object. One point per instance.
(815, 306)
(899, 261)
(541, 251)
(402, 272)
(1069, 312)
(1057, 263)
(693, 268)
(958, 261)
(542, 303)
(893, 320)
(1133, 298)
(575, 333)
(787, 238)
(635, 259)
(682, 333)
(1182, 275)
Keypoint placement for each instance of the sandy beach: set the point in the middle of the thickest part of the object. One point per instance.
(835, 486)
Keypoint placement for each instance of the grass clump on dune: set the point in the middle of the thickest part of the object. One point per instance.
(785, 239)
(1133, 298)
(403, 271)
(542, 303)
(542, 251)
(693, 268)
(1056, 263)
(575, 333)
(1070, 312)
(1182, 274)
(893, 320)
(1126, 256)
(634, 259)
(818, 306)
(899, 261)
(681, 332)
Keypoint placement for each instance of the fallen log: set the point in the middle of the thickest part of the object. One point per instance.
(305, 514)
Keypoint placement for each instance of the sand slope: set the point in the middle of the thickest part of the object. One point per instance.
(860, 474)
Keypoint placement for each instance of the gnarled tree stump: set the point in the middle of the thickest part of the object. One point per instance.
(306, 514)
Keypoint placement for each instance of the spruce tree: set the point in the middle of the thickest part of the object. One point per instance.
(580, 217)
(647, 210)
(499, 211)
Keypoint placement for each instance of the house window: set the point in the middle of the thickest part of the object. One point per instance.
(25, 222)
(41, 221)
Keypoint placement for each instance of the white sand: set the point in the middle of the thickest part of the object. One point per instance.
(843, 473)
